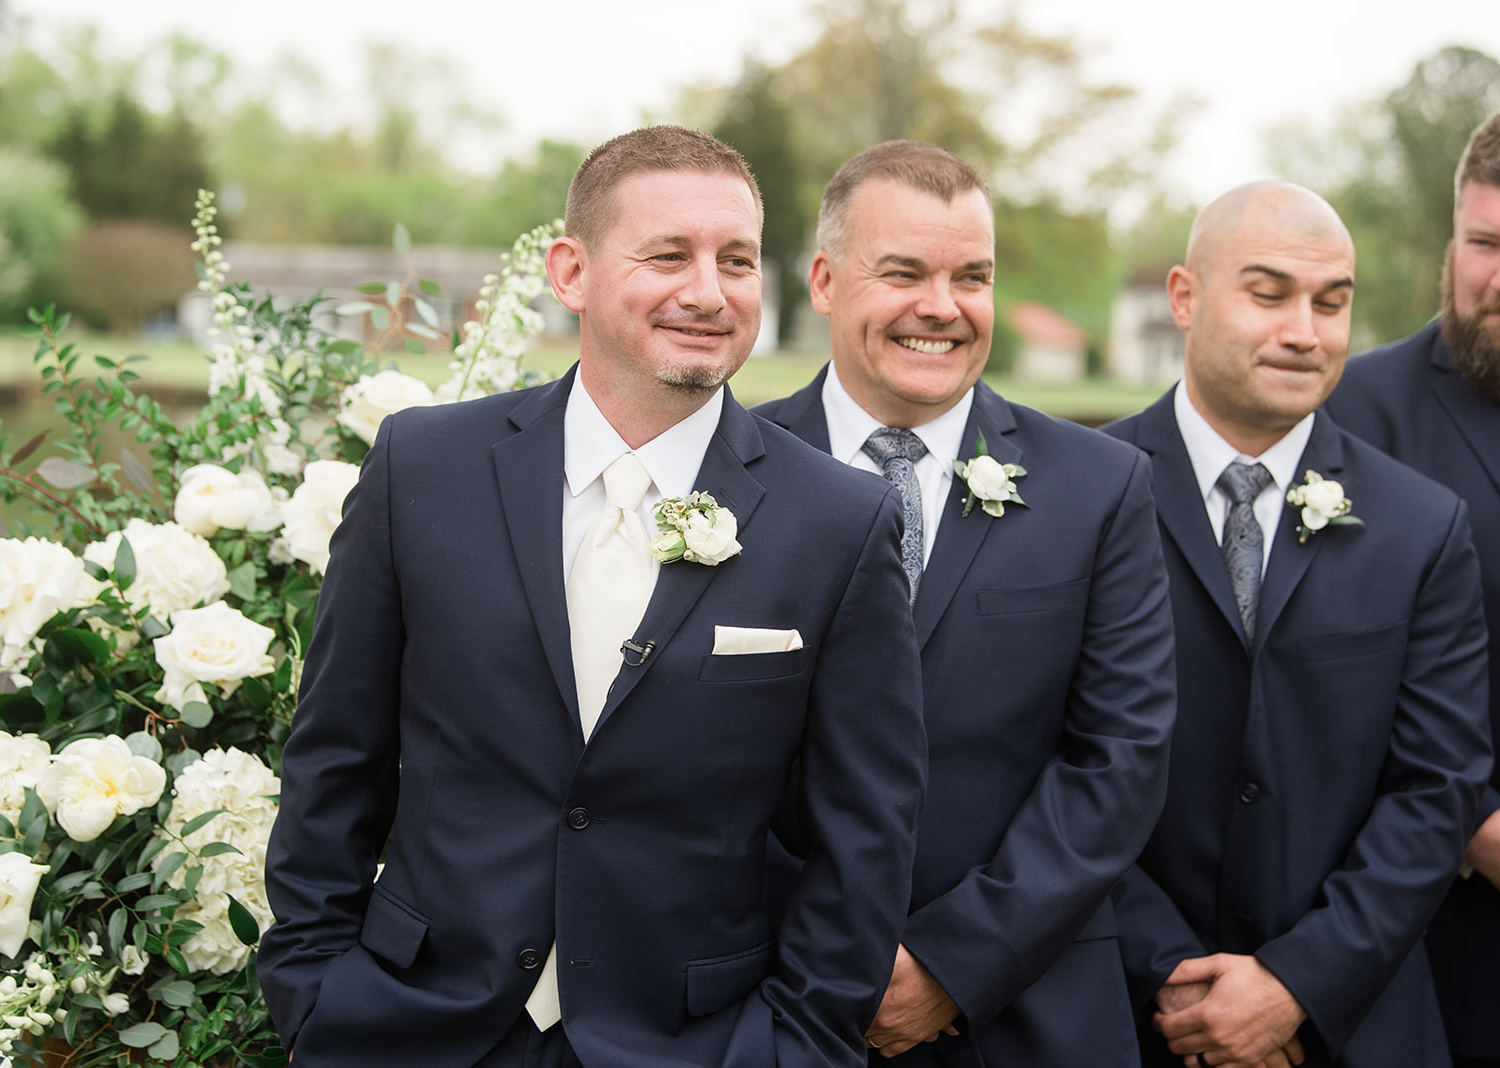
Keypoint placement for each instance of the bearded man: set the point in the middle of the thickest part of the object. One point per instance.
(1433, 402)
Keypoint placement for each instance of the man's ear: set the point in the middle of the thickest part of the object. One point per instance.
(566, 260)
(1182, 290)
(820, 283)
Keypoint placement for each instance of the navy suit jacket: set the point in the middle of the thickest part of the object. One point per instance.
(1408, 400)
(1047, 679)
(439, 720)
(1324, 779)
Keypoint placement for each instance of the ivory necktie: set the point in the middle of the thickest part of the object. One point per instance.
(1243, 544)
(897, 451)
(607, 592)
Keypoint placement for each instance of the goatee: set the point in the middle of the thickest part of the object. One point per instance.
(1475, 353)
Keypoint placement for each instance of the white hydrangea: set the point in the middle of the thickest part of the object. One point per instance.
(245, 789)
(174, 568)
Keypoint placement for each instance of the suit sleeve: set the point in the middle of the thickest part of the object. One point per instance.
(339, 769)
(1093, 806)
(1370, 912)
(1154, 935)
(863, 775)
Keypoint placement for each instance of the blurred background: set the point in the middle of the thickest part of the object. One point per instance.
(321, 125)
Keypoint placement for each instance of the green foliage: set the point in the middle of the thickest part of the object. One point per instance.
(36, 221)
(1387, 166)
(527, 192)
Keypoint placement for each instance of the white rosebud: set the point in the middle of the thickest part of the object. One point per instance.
(212, 497)
(19, 878)
(215, 644)
(94, 780)
(316, 509)
(114, 1004)
(1326, 497)
(987, 478)
(366, 403)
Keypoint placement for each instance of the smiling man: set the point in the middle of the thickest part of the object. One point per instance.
(1044, 627)
(1433, 401)
(1331, 734)
(566, 747)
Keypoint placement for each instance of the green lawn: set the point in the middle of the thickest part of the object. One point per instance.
(179, 366)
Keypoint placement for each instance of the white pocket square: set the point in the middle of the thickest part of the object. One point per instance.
(734, 640)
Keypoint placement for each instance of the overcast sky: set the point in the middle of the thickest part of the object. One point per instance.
(583, 70)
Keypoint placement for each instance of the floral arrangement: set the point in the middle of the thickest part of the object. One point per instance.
(694, 528)
(990, 483)
(1322, 503)
(153, 617)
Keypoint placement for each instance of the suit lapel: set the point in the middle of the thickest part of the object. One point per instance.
(1472, 413)
(802, 413)
(1290, 560)
(1180, 507)
(529, 471)
(680, 585)
(958, 536)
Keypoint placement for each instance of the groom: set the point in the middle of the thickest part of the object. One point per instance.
(567, 752)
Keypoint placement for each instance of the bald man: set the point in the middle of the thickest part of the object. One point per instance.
(1332, 733)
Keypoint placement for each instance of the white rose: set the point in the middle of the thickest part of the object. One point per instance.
(94, 780)
(987, 478)
(212, 497)
(1326, 497)
(23, 759)
(709, 541)
(315, 510)
(38, 579)
(174, 568)
(215, 644)
(19, 878)
(371, 399)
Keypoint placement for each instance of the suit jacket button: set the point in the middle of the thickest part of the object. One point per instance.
(529, 959)
(1249, 793)
(578, 819)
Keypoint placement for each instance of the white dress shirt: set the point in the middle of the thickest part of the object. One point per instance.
(1210, 454)
(849, 426)
(590, 444)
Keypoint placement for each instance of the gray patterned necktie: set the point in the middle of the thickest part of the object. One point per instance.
(1243, 544)
(897, 451)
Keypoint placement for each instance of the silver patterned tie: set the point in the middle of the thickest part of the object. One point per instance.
(1243, 544)
(897, 451)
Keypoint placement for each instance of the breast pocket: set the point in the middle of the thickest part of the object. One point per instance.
(1026, 600)
(754, 667)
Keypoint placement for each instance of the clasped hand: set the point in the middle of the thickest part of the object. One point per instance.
(1233, 1010)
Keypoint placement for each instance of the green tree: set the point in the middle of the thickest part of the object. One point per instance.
(758, 121)
(36, 221)
(1387, 166)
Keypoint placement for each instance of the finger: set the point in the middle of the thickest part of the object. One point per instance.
(1177, 1026)
(1194, 970)
(895, 1048)
(950, 1030)
(1293, 1050)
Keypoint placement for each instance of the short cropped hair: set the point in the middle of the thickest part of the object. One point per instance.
(1481, 158)
(921, 166)
(590, 208)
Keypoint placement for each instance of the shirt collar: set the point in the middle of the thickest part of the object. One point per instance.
(849, 425)
(672, 458)
(1210, 453)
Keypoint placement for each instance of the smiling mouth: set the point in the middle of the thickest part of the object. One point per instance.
(927, 348)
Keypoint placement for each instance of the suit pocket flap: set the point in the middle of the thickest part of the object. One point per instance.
(1020, 599)
(715, 983)
(1387, 639)
(392, 931)
(748, 667)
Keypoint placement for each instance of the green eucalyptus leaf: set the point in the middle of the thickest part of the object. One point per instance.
(117, 921)
(413, 346)
(242, 580)
(197, 714)
(96, 571)
(380, 318)
(168, 867)
(393, 295)
(166, 1049)
(428, 286)
(355, 307)
(216, 849)
(401, 239)
(180, 993)
(81, 646)
(200, 821)
(144, 743)
(142, 1035)
(152, 902)
(371, 287)
(65, 474)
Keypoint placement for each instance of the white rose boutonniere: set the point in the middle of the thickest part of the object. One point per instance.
(991, 483)
(696, 529)
(1323, 504)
